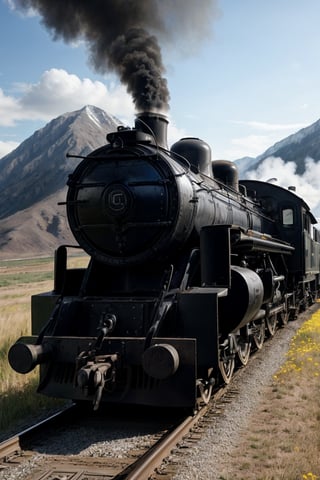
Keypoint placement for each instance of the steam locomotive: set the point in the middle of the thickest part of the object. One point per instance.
(189, 270)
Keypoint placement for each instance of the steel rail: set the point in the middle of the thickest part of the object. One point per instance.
(145, 466)
(14, 444)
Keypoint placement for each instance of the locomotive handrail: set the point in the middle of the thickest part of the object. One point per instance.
(161, 307)
(79, 185)
(166, 223)
(71, 155)
(181, 158)
(104, 184)
(237, 198)
(73, 202)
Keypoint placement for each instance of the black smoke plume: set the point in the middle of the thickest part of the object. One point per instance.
(121, 36)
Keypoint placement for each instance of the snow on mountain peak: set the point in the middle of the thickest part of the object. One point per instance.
(93, 115)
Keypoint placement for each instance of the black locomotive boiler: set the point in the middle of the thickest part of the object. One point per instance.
(189, 268)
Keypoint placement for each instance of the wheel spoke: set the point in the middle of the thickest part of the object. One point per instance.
(205, 386)
(258, 329)
(227, 360)
(244, 346)
(271, 324)
(283, 318)
(205, 390)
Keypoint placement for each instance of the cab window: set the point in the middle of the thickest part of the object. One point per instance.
(287, 217)
(306, 222)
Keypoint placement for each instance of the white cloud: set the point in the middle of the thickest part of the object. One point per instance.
(10, 110)
(272, 127)
(58, 92)
(307, 185)
(250, 145)
(174, 133)
(7, 147)
(27, 12)
(263, 136)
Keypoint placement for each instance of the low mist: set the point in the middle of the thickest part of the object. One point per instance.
(284, 174)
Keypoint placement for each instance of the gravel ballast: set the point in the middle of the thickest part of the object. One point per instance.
(212, 454)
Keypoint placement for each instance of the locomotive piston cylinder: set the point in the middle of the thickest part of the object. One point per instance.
(244, 300)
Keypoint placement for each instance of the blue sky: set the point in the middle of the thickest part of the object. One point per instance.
(253, 80)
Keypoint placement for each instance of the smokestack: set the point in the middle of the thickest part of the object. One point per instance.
(154, 124)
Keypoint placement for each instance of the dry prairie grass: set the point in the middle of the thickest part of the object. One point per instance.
(15, 321)
(18, 281)
(282, 441)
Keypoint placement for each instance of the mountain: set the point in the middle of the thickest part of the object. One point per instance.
(37, 230)
(39, 167)
(245, 164)
(33, 180)
(294, 148)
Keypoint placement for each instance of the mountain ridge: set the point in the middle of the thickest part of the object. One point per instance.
(294, 148)
(33, 180)
(38, 166)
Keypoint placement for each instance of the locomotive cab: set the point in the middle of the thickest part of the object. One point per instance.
(293, 223)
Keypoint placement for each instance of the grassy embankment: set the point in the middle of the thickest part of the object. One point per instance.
(282, 441)
(19, 280)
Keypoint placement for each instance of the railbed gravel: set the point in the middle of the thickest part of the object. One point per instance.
(90, 441)
(211, 454)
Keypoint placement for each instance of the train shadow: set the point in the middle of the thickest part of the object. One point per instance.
(105, 431)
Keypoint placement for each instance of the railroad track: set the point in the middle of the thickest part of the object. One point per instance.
(13, 450)
(15, 444)
(19, 451)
